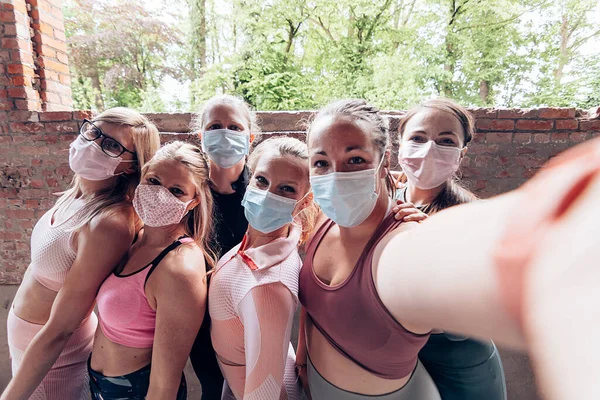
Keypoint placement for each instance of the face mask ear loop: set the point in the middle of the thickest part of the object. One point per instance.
(298, 202)
(377, 179)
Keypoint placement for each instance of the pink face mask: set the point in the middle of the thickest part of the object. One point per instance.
(156, 206)
(428, 165)
(88, 160)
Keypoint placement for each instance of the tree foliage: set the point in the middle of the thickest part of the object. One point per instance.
(283, 54)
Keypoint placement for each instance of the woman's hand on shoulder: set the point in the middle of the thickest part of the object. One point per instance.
(407, 212)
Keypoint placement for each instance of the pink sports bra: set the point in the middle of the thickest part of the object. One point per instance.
(352, 317)
(125, 316)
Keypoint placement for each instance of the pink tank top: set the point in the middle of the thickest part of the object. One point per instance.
(124, 314)
(352, 317)
(52, 252)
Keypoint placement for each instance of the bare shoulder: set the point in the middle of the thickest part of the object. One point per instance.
(116, 222)
(186, 263)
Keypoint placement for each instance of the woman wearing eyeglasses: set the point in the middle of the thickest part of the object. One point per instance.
(74, 247)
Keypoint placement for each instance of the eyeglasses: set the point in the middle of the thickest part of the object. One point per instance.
(109, 146)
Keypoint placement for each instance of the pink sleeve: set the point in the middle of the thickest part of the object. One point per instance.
(267, 312)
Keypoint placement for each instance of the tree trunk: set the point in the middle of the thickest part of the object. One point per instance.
(563, 57)
(484, 91)
(198, 20)
(98, 100)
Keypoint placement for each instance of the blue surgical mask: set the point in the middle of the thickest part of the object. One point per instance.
(347, 198)
(266, 212)
(225, 147)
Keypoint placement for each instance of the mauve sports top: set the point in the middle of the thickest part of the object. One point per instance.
(352, 317)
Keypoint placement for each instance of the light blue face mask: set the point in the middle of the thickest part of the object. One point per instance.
(225, 147)
(266, 212)
(347, 198)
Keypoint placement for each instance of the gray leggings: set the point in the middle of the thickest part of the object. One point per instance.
(419, 387)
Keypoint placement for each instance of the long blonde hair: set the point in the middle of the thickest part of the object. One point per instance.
(119, 195)
(291, 147)
(198, 223)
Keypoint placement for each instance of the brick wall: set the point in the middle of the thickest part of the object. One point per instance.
(510, 146)
(34, 69)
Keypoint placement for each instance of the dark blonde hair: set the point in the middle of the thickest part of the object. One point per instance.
(146, 140)
(198, 122)
(290, 147)
(198, 223)
(360, 110)
(454, 193)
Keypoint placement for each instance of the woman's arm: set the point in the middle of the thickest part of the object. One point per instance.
(100, 246)
(441, 273)
(302, 354)
(178, 288)
(267, 313)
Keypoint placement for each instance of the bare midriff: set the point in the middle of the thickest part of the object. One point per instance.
(33, 301)
(113, 359)
(343, 373)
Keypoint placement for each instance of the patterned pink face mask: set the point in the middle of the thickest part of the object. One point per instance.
(156, 206)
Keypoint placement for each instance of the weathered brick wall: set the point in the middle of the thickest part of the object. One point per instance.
(510, 146)
(34, 69)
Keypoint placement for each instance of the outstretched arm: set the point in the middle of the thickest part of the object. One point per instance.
(441, 275)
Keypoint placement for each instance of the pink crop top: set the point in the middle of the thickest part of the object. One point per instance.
(352, 317)
(52, 252)
(125, 316)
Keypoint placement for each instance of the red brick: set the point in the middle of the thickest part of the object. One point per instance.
(20, 69)
(21, 81)
(10, 235)
(60, 34)
(46, 29)
(498, 137)
(7, 16)
(578, 136)
(27, 105)
(29, 127)
(526, 150)
(20, 214)
(21, 92)
(47, 51)
(36, 183)
(541, 138)
(62, 57)
(517, 113)
(534, 125)
(65, 79)
(33, 151)
(10, 30)
(23, 116)
(51, 97)
(522, 138)
(51, 182)
(590, 125)
(51, 41)
(55, 66)
(61, 127)
(494, 125)
(80, 115)
(557, 113)
(56, 116)
(529, 161)
(567, 125)
(560, 137)
(483, 113)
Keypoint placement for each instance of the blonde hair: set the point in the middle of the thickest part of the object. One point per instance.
(120, 194)
(360, 110)
(290, 147)
(198, 122)
(198, 222)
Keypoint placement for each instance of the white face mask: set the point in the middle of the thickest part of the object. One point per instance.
(88, 160)
(428, 165)
(225, 147)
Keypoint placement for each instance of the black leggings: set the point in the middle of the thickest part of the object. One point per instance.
(133, 386)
